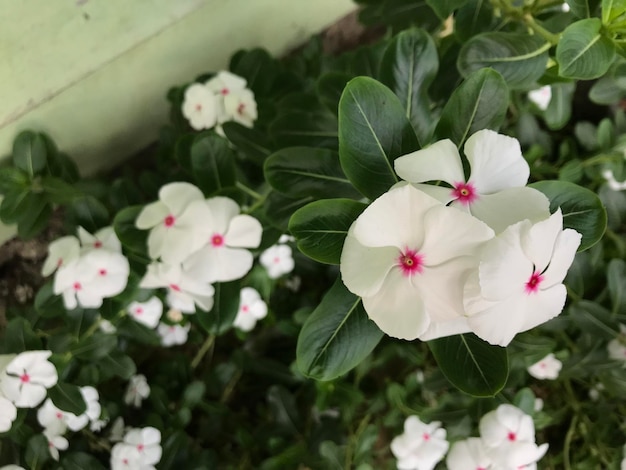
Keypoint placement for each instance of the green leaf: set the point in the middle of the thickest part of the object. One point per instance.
(582, 209)
(283, 409)
(80, 461)
(58, 191)
(212, 163)
(94, 347)
(330, 86)
(253, 143)
(583, 52)
(583, 8)
(29, 152)
(470, 364)
(559, 109)
(258, 68)
(473, 18)
(35, 217)
(611, 9)
(606, 91)
(37, 452)
(408, 68)
(47, 303)
(13, 179)
(305, 171)
(310, 129)
(279, 208)
(119, 364)
(373, 132)
(321, 227)
(520, 58)
(616, 281)
(129, 328)
(480, 102)
(226, 305)
(19, 337)
(129, 235)
(444, 8)
(89, 213)
(67, 397)
(594, 320)
(337, 336)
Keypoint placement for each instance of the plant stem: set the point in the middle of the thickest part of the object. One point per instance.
(249, 191)
(208, 343)
(568, 441)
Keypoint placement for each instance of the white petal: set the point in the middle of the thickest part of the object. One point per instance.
(565, 248)
(244, 232)
(496, 162)
(152, 215)
(538, 240)
(61, 252)
(379, 261)
(232, 81)
(468, 454)
(397, 308)
(8, 414)
(443, 329)
(509, 206)
(178, 196)
(499, 323)
(440, 161)
(223, 210)
(233, 263)
(441, 193)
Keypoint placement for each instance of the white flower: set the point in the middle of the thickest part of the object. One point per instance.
(565, 7)
(55, 444)
(594, 392)
(494, 191)
(104, 238)
(27, 377)
(200, 107)
(519, 283)
(538, 406)
(547, 368)
(147, 313)
(284, 238)
(612, 182)
(225, 84)
(126, 457)
(184, 292)
(277, 260)
(137, 390)
(116, 433)
(172, 335)
(225, 256)
(94, 276)
(509, 436)
(412, 287)
(617, 346)
(541, 97)
(174, 315)
(251, 309)
(106, 326)
(60, 253)
(147, 441)
(421, 446)
(51, 418)
(241, 107)
(177, 222)
(12, 467)
(8, 413)
(469, 454)
(91, 414)
(98, 424)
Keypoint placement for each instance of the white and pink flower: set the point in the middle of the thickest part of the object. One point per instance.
(173, 335)
(277, 260)
(137, 390)
(546, 368)
(541, 97)
(27, 378)
(200, 107)
(421, 446)
(251, 309)
(147, 313)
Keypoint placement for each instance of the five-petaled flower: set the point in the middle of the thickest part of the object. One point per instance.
(172, 335)
(541, 97)
(200, 107)
(496, 185)
(147, 313)
(421, 446)
(277, 260)
(547, 368)
(251, 309)
(27, 377)
(137, 390)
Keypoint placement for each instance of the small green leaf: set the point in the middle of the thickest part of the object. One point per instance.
(373, 132)
(67, 397)
(330, 86)
(226, 305)
(58, 191)
(29, 152)
(593, 319)
(310, 129)
(37, 452)
(19, 337)
(95, 346)
(283, 409)
(582, 209)
(337, 336)
(559, 109)
(138, 332)
(119, 364)
(279, 208)
(612, 9)
(305, 171)
(583, 52)
(583, 8)
(13, 179)
(321, 227)
(36, 216)
(80, 461)
(470, 364)
(129, 235)
(47, 303)
(253, 143)
(89, 213)
(520, 58)
(212, 163)
(480, 102)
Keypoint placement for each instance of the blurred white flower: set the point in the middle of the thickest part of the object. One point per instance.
(241, 107)
(547, 368)
(284, 238)
(12, 467)
(107, 327)
(104, 238)
(623, 463)
(225, 255)
(617, 346)
(538, 406)
(126, 457)
(541, 97)
(469, 454)
(225, 84)
(98, 424)
(91, 414)
(51, 418)
(509, 437)
(594, 392)
(27, 377)
(277, 260)
(419, 376)
(61, 252)
(421, 446)
(55, 443)
(147, 441)
(147, 313)
(565, 7)
(612, 182)
(172, 335)
(8, 413)
(174, 315)
(251, 309)
(200, 107)
(137, 390)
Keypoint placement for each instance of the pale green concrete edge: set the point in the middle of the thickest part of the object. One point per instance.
(118, 110)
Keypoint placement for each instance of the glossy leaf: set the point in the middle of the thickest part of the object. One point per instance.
(95, 346)
(330, 87)
(212, 163)
(373, 132)
(311, 129)
(593, 319)
(479, 103)
(409, 66)
(321, 227)
(29, 152)
(279, 208)
(129, 235)
(470, 364)
(253, 143)
(67, 397)
(306, 171)
(19, 337)
(119, 364)
(520, 58)
(583, 52)
(226, 305)
(337, 336)
(559, 109)
(582, 209)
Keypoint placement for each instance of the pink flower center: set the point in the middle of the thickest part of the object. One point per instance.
(140, 447)
(217, 240)
(245, 309)
(50, 444)
(511, 436)
(411, 262)
(139, 310)
(175, 287)
(169, 220)
(60, 262)
(426, 436)
(25, 378)
(465, 193)
(59, 415)
(77, 286)
(97, 244)
(276, 260)
(198, 107)
(125, 461)
(224, 91)
(102, 272)
(532, 285)
(241, 108)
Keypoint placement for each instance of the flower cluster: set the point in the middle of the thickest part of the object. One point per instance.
(479, 254)
(223, 98)
(89, 268)
(139, 449)
(195, 242)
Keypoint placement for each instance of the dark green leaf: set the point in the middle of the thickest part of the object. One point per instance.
(479, 103)
(13, 180)
(305, 171)
(444, 8)
(311, 129)
(253, 143)
(129, 235)
(19, 337)
(58, 191)
(321, 227)
(583, 8)
(137, 332)
(280, 208)
(616, 281)
(47, 303)
(594, 320)
(473, 18)
(89, 213)
(37, 452)
(373, 132)
(36, 215)
(337, 336)
(212, 163)
(330, 87)
(119, 364)
(226, 305)
(67, 397)
(582, 209)
(258, 68)
(283, 409)
(62, 166)
(80, 461)
(559, 110)
(470, 364)
(95, 346)
(29, 152)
